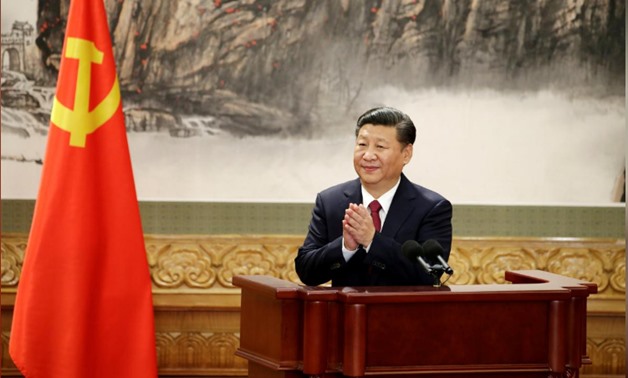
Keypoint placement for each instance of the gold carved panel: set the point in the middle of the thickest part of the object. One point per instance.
(608, 356)
(484, 260)
(185, 264)
(199, 351)
(201, 263)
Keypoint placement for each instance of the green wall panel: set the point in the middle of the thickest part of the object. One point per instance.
(293, 218)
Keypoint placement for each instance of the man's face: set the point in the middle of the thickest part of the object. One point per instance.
(379, 158)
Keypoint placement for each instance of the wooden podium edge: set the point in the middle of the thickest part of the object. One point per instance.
(266, 362)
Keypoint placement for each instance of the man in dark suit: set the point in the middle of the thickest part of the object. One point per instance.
(344, 243)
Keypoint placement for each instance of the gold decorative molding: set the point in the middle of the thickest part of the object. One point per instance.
(204, 263)
(210, 262)
(12, 249)
(483, 260)
(199, 351)
(197, 306)
(173, 267)
(608, 356)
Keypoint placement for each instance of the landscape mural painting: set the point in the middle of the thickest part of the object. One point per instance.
(256, 100)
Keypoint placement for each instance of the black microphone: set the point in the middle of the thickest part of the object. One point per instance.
(433, 250)
(413, 251)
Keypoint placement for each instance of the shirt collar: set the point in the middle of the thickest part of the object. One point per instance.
(385, 199)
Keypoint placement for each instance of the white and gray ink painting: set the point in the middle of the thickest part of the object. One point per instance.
(514, 103)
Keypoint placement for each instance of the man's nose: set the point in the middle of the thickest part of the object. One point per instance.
(369, 155)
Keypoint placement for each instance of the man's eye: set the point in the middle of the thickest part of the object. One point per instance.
(381, 147)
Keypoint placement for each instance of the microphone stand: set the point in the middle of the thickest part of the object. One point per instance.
(437, 271)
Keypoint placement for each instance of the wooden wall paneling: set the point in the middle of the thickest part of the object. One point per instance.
(197, 309)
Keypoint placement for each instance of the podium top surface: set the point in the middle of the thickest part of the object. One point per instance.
(525, 285)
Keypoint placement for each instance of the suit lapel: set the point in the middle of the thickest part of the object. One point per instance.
(353, 192)
(400, 207)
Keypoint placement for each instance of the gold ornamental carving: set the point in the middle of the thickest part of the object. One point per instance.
(173, 267)
(618, 278)
(585, 264)
(246, 260)
(608, 356)
(484, 260)
(12, 260)
(6, 359)
(198, 350)
(183, 263)
(495, 261)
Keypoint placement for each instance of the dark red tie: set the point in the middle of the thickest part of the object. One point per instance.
(375, 206)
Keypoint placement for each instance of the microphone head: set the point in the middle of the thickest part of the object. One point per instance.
(411, 249)
(432, 248)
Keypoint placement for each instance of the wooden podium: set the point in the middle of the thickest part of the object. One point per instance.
(534, 327)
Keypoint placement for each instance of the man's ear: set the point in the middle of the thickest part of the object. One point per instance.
(407, 153)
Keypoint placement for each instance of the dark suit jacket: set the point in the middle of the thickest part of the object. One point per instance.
(415, 213)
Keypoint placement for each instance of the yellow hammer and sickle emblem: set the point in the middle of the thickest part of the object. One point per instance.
(80, 122)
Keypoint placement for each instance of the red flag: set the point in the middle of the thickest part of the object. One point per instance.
(84, 305)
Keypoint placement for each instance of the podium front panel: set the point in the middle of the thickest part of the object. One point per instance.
(457, 334)
(532, 329)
